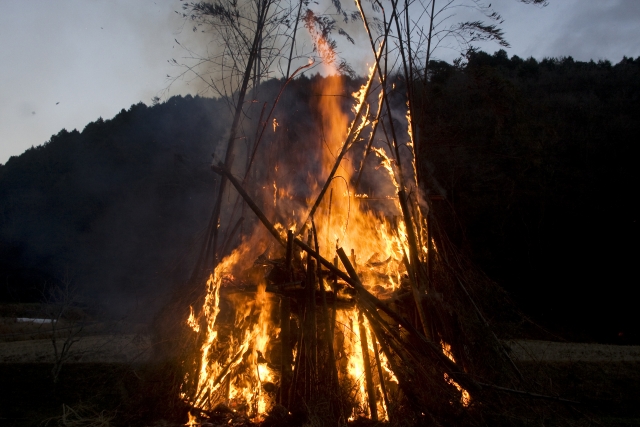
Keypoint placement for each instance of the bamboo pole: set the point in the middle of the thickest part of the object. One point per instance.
(373, 409)
(383, 387)
(429, 247)
(234, 126)
(419, 286)
(310, 329)
(289, 254)
(325, 313)
(335, 299)
(286, 356)
(296, 370)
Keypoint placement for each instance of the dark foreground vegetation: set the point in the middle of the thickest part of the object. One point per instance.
(141, 395)
(536, 161)
(92, 394)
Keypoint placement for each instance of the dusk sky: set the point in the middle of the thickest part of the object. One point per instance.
(65, 63)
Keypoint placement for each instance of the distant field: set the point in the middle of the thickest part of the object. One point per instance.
(112, 368)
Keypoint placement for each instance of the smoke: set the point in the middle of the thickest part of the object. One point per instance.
(212, 61)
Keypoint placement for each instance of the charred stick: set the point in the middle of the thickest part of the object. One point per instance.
(310, 327)
(353, 259)
(289, 254)
(367, 367)
(296, 369)
(329, 217)
(383, 387)
(234, 126)
(403, 381)
(325, 312)
(380, 328)
(429, 246)
(414, 254)
(222, 374)
(391, 344)
(286, 358)
(419, 220)
(261, 216)
(222, 170)
(329, 335)
(335, 299)
(383, 81)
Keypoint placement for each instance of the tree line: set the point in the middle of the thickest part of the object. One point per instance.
(534, 160)
(537, 160)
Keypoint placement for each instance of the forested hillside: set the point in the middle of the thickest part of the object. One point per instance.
(536, 160)
(114, 208)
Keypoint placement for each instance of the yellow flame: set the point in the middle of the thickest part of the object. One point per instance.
(192, 322)
(465, 397)
(193, 421)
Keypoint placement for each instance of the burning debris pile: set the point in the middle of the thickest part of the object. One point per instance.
(336, 307)
(292, 324)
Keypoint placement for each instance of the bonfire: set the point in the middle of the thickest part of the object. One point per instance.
(340, 305)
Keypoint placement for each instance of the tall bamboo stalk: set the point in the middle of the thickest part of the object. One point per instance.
(286, 356)
(228, 161)
(367, 368)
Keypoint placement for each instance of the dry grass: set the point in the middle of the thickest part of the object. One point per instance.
(80, 416)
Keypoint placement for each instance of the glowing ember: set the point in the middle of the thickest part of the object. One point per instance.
(193, 421)
(192, 322)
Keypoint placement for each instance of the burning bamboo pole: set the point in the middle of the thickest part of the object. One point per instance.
(325, 313)
(373, 409)
(286, 356)
(310, 328)
(296, 371)
(383, 387)
(289, 254)
(335, 299)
